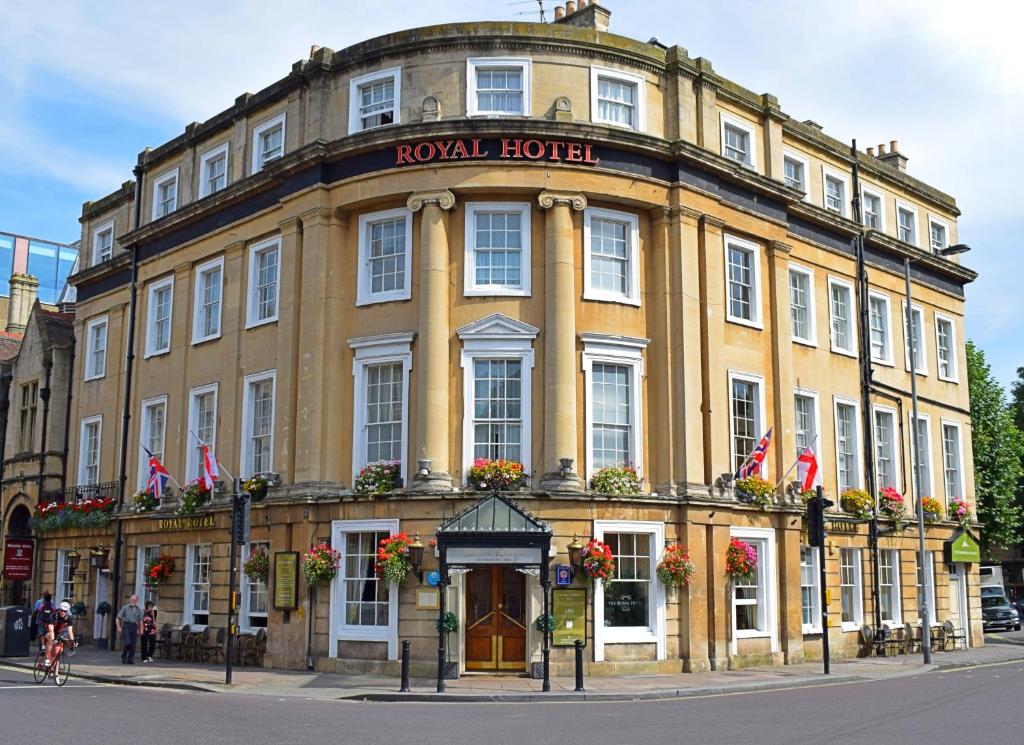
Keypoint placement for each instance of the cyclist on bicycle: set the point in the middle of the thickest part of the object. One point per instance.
(60, 629)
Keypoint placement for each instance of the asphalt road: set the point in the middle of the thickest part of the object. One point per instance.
(969, 705)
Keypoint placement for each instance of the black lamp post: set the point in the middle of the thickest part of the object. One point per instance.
(916, 492)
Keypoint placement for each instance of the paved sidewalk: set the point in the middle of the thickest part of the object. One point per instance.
(106, 667)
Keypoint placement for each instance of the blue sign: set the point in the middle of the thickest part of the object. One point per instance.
(433, 577)
(563, 575)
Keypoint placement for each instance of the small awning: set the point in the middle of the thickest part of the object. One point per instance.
(492, 515)
(964, 548)
(494, 530)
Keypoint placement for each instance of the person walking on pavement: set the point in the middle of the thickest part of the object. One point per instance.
(148, 631)
(128, 620)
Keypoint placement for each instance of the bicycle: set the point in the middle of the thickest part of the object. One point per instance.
(59, 667)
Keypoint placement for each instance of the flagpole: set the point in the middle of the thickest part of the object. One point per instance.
(173, 480)
(752, 452)
(795, 463)
(201, 441)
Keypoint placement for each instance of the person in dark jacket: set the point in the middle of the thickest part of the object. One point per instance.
(148, 631)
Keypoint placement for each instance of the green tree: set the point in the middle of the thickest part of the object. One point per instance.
(1017, 395)
(998, 448)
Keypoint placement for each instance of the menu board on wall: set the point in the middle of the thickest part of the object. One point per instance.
(286, 574)
(569, 607)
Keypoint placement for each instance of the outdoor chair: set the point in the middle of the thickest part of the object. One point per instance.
(938, 638)
(253, 648)
(867, 637)
(162, 644)
(911, 638)
(890, 641)
(213, 649)
(175, 650)
(955, 638)
(195, 644)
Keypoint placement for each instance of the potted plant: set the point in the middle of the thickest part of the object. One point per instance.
(102, 610)
(320, 564)
(618, 480)
(193, 496)
(378, 478)
(857, 502)
(960, 510)
(256, 486)
(159, 570)
(891, 504)
(144, 501)
(740, 562)
(496, 475)
(598, 563)
(757, 491)
(394, 564)
(932, 509)
(448, 623)
(257, 566)
(675, 568)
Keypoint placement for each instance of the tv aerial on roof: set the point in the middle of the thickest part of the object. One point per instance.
(540, 7)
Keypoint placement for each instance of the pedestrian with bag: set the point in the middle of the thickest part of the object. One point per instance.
(128, 620)
(148, 631)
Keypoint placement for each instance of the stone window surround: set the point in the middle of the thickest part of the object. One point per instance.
(471, 288)
(147, 404)
(83, 428)
(473, 63)
(749, 128)
(897, 585)
(354, 117)
(907, 207)
(767, 588)
(251, 321)
(338, 630)
(245, 583)
(927, 489)
(197, 300)
(632, 222)
(245, 457)
(851, 317)
(950, 424)
(364, 294)
(158, 182)
(757, 313)
(154, 287)
(377, 350)
(804, 161)
(954, 368)
(944, 224)
(257, 133)
(759, 383)
(656, 630)
(191, 450)
(815, 626)
(888, 361)
(922, 353)
(816, 411)
(91, 373)
(189, 609)
(858, 589)
(96, 233)
(894, 441)
(828, 172)
(858, 476)
(222, 149)
(812, 322)
(866, 189)
(639, 105)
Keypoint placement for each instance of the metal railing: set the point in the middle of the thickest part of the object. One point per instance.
(80, 492)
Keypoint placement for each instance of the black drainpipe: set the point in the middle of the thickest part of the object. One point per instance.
(126, 415)
(44, 394)
(67, 423)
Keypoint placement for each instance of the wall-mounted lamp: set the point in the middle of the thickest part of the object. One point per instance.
(565, 466)
(726, 479)
(416, 552)
(273, 479)
(73, 558)
(98, 556)
(575, 552)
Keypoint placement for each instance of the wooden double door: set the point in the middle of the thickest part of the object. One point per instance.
(496, 619)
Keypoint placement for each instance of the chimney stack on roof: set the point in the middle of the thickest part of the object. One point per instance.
(894, 157)
(24, 290)
(584, 14)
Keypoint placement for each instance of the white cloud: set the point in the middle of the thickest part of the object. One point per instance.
(23, 152)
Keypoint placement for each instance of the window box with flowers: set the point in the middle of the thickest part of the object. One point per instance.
(379, 478)
(932, 509)
(857, 502)
(87, 513)
(756, 491)
(617, 480)
(892, 505)
(257, 566)
(320, 564)
(960, 510)
(193, 496)
(598, 564)
(496, 475)
(144, 501)
(394, 564)
(159, 570)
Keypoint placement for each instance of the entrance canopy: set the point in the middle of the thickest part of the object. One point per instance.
(494, 530)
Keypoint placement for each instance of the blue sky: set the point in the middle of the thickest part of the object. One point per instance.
(86, 88)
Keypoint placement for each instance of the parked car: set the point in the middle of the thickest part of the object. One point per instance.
(996, 612)
(993, 591)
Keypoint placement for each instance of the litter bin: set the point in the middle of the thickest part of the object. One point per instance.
(14, 621)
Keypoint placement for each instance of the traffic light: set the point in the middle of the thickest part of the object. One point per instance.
(241, 522)
(816, 507)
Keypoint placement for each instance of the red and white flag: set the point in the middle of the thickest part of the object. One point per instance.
(807, 470)
(211, 471)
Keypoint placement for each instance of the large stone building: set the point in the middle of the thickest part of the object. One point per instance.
(540, 242)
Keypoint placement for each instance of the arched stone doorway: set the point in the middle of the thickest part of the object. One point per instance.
(16, 592)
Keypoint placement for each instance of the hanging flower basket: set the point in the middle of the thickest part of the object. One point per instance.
(378, 478)
(960, 510)
(257, 566)
(675, 568)
(757, 491)
(891, 504)
(320, 564)
(496, 475)
(193, 496)
(620, 480)
(159, 570)
(144, 501)
(932, 509)
(857, 502)
(256, 486)
(393, 562)
(598, 563)
(740, 562)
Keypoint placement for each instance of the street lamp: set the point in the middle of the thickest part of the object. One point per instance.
(915, 450)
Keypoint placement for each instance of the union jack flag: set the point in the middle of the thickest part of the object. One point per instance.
(158, 476)
(752, 465)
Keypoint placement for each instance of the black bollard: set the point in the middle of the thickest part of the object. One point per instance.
(579, 666)
(405, 666)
